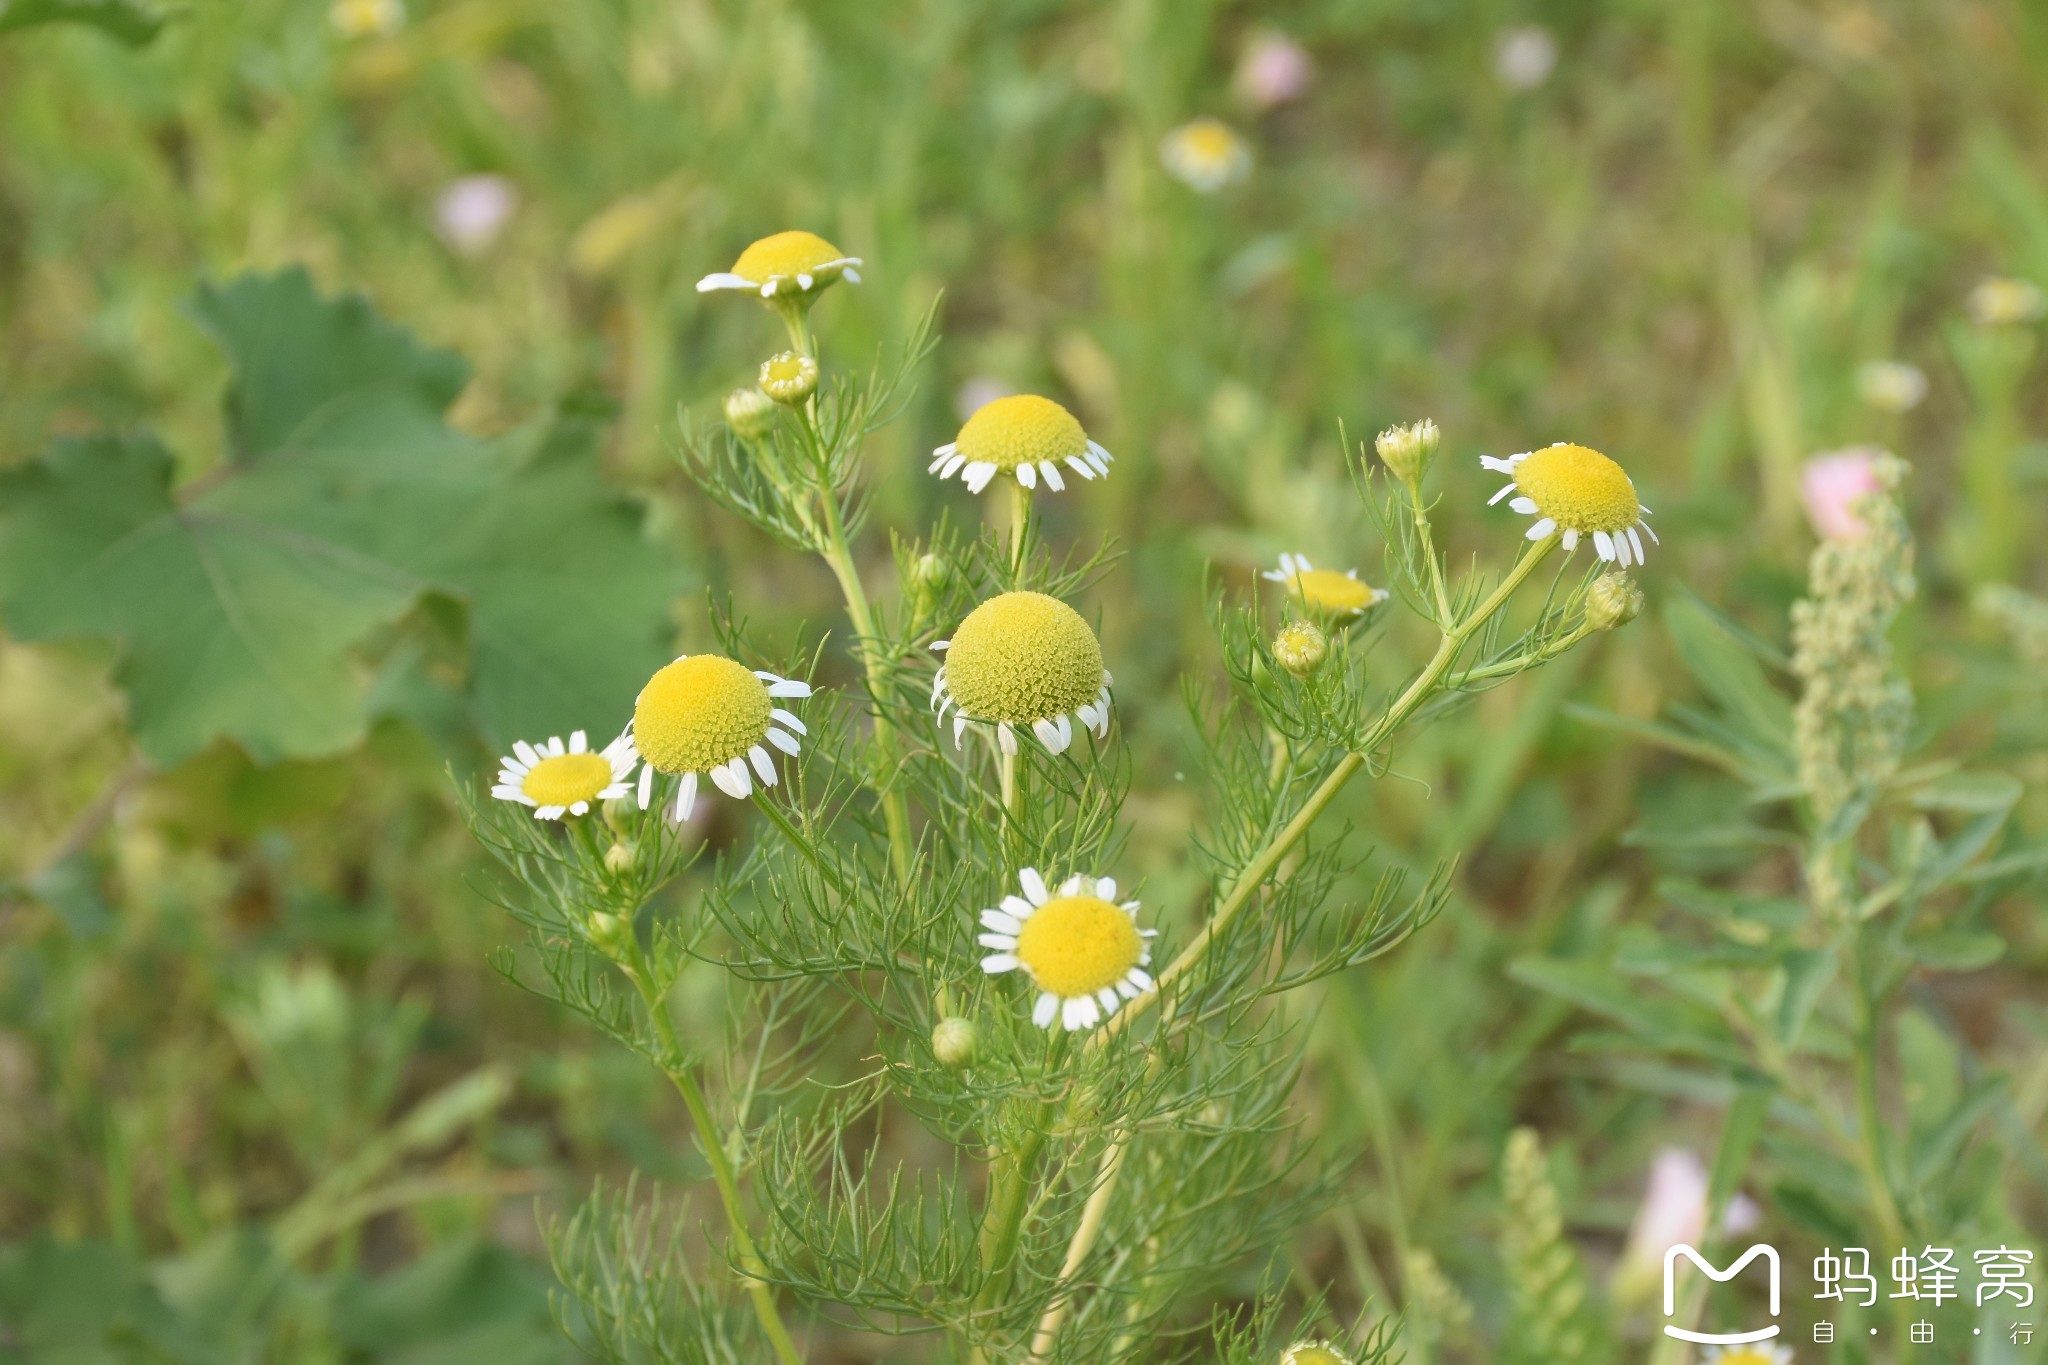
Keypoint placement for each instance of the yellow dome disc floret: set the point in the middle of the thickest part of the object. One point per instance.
(567, 780)
(1023, 658)
(1325, 592)
(698, 713)
(1574, 491)
(707, 714)
(787, 262)
(1024, 436)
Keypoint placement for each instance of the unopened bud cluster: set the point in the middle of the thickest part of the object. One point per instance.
(1407, 449)
(1300, 647)
(954, 1042)
(789, 378)
(1613, 600)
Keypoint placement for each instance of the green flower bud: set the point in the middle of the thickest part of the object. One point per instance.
(610, 934)
(1300, 648)
(750, 413)
(1613, 600)
(789, 378)
(954, 1041)
(618, 859)
(1407, 449)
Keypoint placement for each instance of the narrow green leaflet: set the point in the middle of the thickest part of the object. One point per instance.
(246, 605)
(124, 20)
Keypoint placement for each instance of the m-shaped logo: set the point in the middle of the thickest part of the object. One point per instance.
(1770, 1255)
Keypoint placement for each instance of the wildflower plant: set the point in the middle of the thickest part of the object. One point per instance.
(953, 1072)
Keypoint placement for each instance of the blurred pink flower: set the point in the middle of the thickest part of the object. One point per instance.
(472, 211)
(1831, 484)
(1273, 71)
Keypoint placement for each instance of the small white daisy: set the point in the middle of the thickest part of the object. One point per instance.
(1579, 492)
(786, 263)
(1748, 1353)
(1206, 154)
(1024, 436)
(1339, 596)
(558, 779)
(1023, 658)
(707, 714)
(1082, 948)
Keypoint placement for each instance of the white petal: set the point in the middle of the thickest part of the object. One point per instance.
(1048, 735)
(579, 742)
(1636, 541)
(1086, 711)
(1004, 941)
(548, 813)
(1006, 738)
(1051, 472)
(789, 687)
(979, 472)
(850, 275)
(1498, 466)
(733, 785)
(1106, 888)
(1072, 885)
(1042, 1013)
(1091, 1013)
(1001, 921)
(1570, 540)
(953, 463)
(1080, 466)
(1650, 531)
(786, 743)
(1621, 549)
(1066, 733)
(1071, 1015)
(1106, 997)
(768, 289)
(579, 808)
(947, 449)
(723, 280)
(555, 749)
(527, 753)
(1027, 474)
(763, 765)
(1095, 449)
(646, 785)
(1033, 884)
(1604, 543)
(1140, 978)
(1526, 506)
(940, 645)
(803, 280)
(959, 729)
(1017, 907)
(686, 800)
(1127, 990)
(999, 962)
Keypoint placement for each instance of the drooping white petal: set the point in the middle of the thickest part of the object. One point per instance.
(1141, 978)
(763, 765)
(1048, 735)
(646, 785)
(959, 729)
(1027, 474)
(732, 784)
(1604, 543)
(1636, 541)
(1570, 539)
(1006, 738)
(940, 645)
(1066, 734)
(1542, 529)
(1080, 466)
(686, 800)
(1071, 1016)
(1033, 884)
(785, 742)
(1107, 998)
(1095, 448)
(953, 463)
(1127, 990)
(1051, 473)
(1042, 1013)
(789, 687)
(979, 472)
(548, 813)
(803, 279)
(723, 280)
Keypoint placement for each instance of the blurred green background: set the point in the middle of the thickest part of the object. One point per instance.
(261, 1094)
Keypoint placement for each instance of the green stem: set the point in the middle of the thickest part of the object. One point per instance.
(1020, 525)
(722, 1172)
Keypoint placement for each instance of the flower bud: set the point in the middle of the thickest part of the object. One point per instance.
(1300, 648)
(610, 934)
(954, 1041)
(1407, 449)
(1613, 600)
(750, 413)
(1313, 1353)
(618, 859)
(789, 378)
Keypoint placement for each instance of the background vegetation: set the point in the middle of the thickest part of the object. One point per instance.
(261, 1095)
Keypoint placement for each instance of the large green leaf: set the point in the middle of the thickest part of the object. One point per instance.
(245, 602)
(126, 20)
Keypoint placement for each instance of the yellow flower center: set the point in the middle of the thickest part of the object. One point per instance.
(1328, 591)
(700, 712)
(1579, 489)
(1313, 1353)
(1021, 429)
(1078, 945)
(784, 256)
(1744, 1355)
(1022, 657)
(1208, 139)
(566, 779)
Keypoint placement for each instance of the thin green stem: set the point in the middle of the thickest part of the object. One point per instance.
(716, 1154)
(1020, 527)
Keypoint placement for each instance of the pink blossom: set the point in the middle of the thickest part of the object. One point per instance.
(1273, 71)
(472, 211)
(1832, 483)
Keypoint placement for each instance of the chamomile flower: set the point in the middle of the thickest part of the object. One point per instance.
(1313, 1353)
(1081, 947)
(1023, 658)
(1206, 154)
(1325, 592)
(1580, 492)
(557, 779)
(367, 18)
(707, 714)
(1024, 436)
(1749, 1353)
(786, 263)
